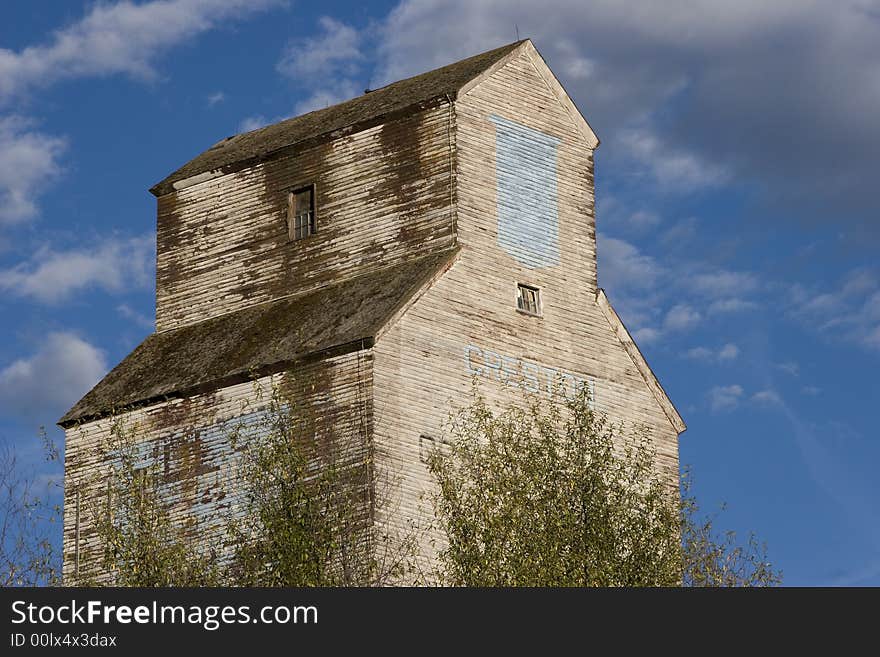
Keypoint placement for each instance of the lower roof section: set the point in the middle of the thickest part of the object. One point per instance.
(258, 340)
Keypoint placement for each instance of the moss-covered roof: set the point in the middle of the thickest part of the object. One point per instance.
(396, 97)
(258, 340)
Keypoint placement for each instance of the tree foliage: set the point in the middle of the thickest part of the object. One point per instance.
(300, 503)
(303, 518)
(548, 493)
(540, 493)
(142, 545)
(27, 555)
(714, 558)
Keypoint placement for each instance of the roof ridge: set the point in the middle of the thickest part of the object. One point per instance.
(382, 89)
(400, 96)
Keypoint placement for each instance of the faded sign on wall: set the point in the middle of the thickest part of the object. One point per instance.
(519, 373)
(527, 206)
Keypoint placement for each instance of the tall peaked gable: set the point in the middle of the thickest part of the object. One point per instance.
(525, 187)
(525, 171)
(527, 47)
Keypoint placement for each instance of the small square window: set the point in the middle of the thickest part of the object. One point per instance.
(528, 299)
(301, 221)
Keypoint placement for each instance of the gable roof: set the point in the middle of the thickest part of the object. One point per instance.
(258, 340)
(417, 91)
(639, 361)
(552, 82)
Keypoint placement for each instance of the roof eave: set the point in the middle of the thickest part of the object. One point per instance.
(72, 419)
(639, 361)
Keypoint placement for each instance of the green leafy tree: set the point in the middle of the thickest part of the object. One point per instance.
(303, 518)
(548, 493)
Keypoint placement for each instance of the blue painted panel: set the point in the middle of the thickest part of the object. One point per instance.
(528, 214)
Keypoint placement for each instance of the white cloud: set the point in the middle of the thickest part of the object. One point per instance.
(623, 267)
(632, 280)
(872, 339)
(133, 315)
(812, 391)
(326, 63)
(323, 66)
(336, 92)
(767, 398)
(723, 284)
(700, 353)
(335, 51)
(717, 90)
(644, 219)
(123, 37)
(29, 160)
(49, 381)
(859, 282)
(619, 215)
(789, 367)
(851, 310)
(725, 398)
(680, 235)
(681, 317)
(216, 97)
(732, 305)
(254, 123)
(726, 353)
(646, 335)
(114, 265)
(672, 167)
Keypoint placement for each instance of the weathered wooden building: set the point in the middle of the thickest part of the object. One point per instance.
(386, 251)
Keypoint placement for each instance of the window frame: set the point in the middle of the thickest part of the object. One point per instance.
(291, 212)
(539, 304)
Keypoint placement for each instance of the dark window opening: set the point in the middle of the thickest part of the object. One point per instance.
(301, 220)
(528, 299)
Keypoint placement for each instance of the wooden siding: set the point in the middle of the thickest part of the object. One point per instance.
(389, 193)
(200, 484)
(382, 195)
(467, 326)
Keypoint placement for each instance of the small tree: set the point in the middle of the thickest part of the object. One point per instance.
(712, 558)
(550, 493)
(141, 544)
(27, 554)
(304, 512)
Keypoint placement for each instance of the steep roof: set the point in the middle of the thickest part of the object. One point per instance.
(411, 92)
(639, 361)
(258, 340)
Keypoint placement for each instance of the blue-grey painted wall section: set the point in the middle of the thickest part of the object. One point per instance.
(203, 460)
(527, 206)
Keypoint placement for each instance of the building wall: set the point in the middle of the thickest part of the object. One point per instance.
(507, 173)
(466, 326)
(382, 194)
(193, 436)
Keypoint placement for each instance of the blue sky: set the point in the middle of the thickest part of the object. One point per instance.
(737, 210)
